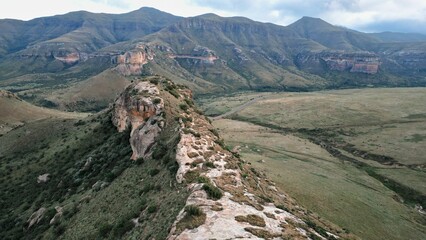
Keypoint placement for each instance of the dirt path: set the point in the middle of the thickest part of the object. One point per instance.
(239, 108)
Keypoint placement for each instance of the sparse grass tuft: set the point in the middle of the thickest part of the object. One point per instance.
(252, 219)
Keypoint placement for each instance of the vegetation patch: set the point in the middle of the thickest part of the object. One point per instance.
(262, 233)
(252, 219)
(194, 217)
(212, 191)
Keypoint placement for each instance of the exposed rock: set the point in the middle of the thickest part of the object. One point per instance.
(36, 217)
(238, 208)
(68, 58)
(131, 63)
(58, 215)
(43, 178)
(230, 200)
(362, 62)
(140, 109)
(7, 94)
(87, 164)
(99, 185)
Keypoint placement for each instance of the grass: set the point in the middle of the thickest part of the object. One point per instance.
(80, 154)
(15, 112)
(252, 219)
(193, 218)
(349, 196)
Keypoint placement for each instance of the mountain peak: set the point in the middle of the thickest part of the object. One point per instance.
(309, 22)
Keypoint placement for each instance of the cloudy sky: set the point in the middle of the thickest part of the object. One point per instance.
(363, 15)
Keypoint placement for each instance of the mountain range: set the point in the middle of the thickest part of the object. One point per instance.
(44, 57)
(101, 137)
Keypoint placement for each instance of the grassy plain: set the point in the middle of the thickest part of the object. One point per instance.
(365, 125)
(15, 112)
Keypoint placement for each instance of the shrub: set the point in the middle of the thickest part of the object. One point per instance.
(159, 151)
(193, 210)
(183, 106)
(156, 101)
(203, 179)
(152, 209)
(154, 81)
(153, 172)
(189, 102)
(123, 226)
(139, 161)
(210, 164)
(104, 230)
(212, 191)
(214, 131)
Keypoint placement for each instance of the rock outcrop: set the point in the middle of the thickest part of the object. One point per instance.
(7, 94)
(140, 109)
(43, 178)
(36, 217)
(356, 62)
(131, 63)
(228, 198)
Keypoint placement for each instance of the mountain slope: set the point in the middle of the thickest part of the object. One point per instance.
(180, 181)
(52, 44)
(400, 37)
(332, 37)
(15, 112)
(208, 53)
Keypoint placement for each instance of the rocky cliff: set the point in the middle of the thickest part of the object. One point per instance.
(131, 63)
(228, 199)
(356, 62)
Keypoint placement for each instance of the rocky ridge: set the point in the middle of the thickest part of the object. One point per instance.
(228, 198)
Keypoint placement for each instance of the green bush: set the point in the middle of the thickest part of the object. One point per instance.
(154, 81)
(123, 226)
(104, 230)
(183, 106)
(210, 164)
(153, 172)
(193, 210)
(152, 209)
(203, 179)
(212, 191)
(156, 101)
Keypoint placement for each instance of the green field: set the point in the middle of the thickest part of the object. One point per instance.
(373, 187)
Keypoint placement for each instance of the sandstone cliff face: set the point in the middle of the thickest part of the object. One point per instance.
(140, 109)
(131, 63)
(357, 62)
(228, 198)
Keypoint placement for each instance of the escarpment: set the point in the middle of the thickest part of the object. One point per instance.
(228, 199)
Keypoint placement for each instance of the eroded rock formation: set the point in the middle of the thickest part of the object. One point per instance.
(140, 109)
(228, 199)
(356, 62)
(131, 63)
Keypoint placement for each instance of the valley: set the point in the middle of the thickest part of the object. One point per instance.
(349, 155)
(146, 125)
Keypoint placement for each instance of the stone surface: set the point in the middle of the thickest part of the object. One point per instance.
(58, 215)
(136, 111)
(131, 63)
(43, 178)
(36, 217)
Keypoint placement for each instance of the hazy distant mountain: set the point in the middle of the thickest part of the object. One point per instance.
(82, 30)
(400, 37)
(209, 53)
